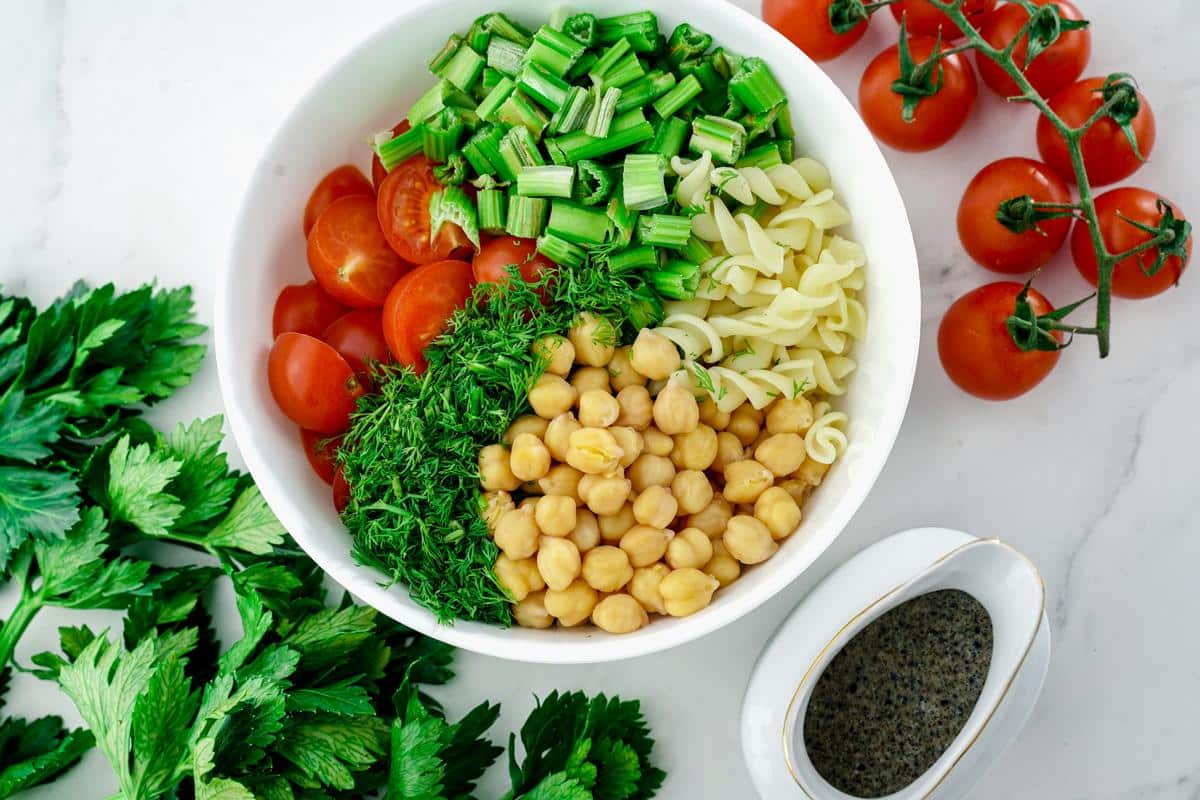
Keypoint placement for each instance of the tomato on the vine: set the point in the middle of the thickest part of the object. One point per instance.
(349, 255)
(807, 24)
(312, 384)
(419, 306)
(497, 255)
(344, 181)
(358, 337)
(992, 244)
(378, 173)
(977, 350)
(304, 308)
(1057, 67)
(321, 452)
(1108, 154)
(1118, 211)
(403, 212)
(922, 18)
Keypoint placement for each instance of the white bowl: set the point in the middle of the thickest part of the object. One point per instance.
(369, 90)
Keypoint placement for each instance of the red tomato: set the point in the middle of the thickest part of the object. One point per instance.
(995, 246)
(977, 351)
(312, 384)
(404, 214)
(1129, 279)
(304, 308)
(322, 458)
(345, 181)
(419, 306)
(378, 173)
(358, 337)
(922, 19)
(1056, 68)
(493, 261)
(349, 255)
(341, 491)
(937, 119)
(806, 23)
(1107, 154)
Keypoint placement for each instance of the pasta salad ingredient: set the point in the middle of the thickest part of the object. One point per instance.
(811, 26)
(1056, 66)
(1131, 221)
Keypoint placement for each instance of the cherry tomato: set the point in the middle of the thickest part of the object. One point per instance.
(1107, 154)
(937, 119)
(420, 305)
(378, 173)
(995, 246)
(493, 261)
(923, 19)
(349, 255)
(977, 351)
(312, 384)
(1056, 68)
(341, 491)
(344, 181)
(1129, 278)
(358, 337)
(806, 23)
(304, 308)
(404, 214)
(321, 457)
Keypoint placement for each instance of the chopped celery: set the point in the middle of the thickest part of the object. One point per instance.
(593, 183)
(669, 138)
(491, 203)
(755, 86)
(684, 92)
(696, 251)
(439, 62)
(622, 220)
(479, 36)
(453, 172)
(452, 204)
(759, 124)
(604, 109)
(787, 150)
(490, 105)
(550, 92)
(724, 138)
(686, 42)
(574, 112)
(664, 230)
(726, 62)
(561, 252)
(783, 123)
(581, 28)
(443, 94)
(463, 69)
(550, 181)
(441, 134)
(501, 25)
(526, 216)
(633, 259)
(640, 28)
(577, 224)
(764, 156)
(627, 130)
(553, 51)
(645, 91)
(617, 66)
(704, 71)
(643, 181)
(677, 280)
(521, 142)
(505, 56)
(483, 152)
(582, 66)
(517, 110)
(399, 149)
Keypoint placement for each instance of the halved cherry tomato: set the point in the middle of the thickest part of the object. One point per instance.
(1116, 210)
(349, 255)
(358, 337)
(322, 457)
(304, 308)
(806, 23)
(341, 491)
(404, 215)
(420, 305)
(995, 246)
(1056, 68)
(923, 19)
(977, 351)
(378, 173)
(493, 261)
(1107, 153)
(312, 384)
(345, 181)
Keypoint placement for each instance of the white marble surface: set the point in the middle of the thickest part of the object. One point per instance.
(130, 126)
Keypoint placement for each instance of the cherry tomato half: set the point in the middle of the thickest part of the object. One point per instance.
(358, 337)
(321, 452)
(937, 118)
(304, 308)
(349, 255)
(420, 305)
(977, 351)
(341, 491)
(493, 261)
(923, 19)
(1056, 68)
(378, 173)
(806, 23)
(995, 246)
(1107, 154)
(312, 384)
(404, 215)
(1116, 209)
(344, 181)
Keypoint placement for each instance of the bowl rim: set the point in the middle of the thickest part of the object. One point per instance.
(372, 587)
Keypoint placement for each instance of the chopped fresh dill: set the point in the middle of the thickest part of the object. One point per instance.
(703, 379)
(799, 388)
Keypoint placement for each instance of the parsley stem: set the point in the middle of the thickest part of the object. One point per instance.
(14, 627)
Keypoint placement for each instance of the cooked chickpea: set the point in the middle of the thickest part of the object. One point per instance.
(776, 509)
(657, 443)
(651, 470)
(644, 586)
(691, 547)
(561, 481)
(745, 423)
(551, 396)
(746, 480)
(619, 613)
(587, 379)
(655, 507)
(532, 488)
(797, 489)
(531, 612)
(712, 416)
(529, 460)
(518, 577)
(606, 495)
(517, 532)
(558, 352)
(811, 472)
(686, 591)
(722, 566)
(597, 409)
(729, 450)
(713, 518)
(645, 545)
(637, 410)
(494, 504)
(528, 502)
(495, 473)
(593, 451)
(630, 442)
(558, 561)
(526, 424)
(748, 540)
(614, 526)
(693, 491)
(621, 372)
(696, 449)
(654, 355)
(572, 605)
(555, 515)
(607, 568)
(558, 434)
(790, 416)
(676, 410)
(782, 453)
(594, 339)
(586, 533)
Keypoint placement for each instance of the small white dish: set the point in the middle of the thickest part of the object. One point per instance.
(877, 580)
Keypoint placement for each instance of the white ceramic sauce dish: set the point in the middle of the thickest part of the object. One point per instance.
(368, 91)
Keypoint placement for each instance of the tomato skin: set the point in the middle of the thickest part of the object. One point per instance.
(403, 209)
(491, 265)
(349, 255)
(344, 181)
(378, 173)
(323, 460)
(1107, 154)
(806, 24)
(312, 384)
(358, 338)
(341, 491)
(304, 308)
(1056, 68)
(922, 19)
(937, 119)
(977, 352)
(989, 242)
(1139, 205)
(420, 305)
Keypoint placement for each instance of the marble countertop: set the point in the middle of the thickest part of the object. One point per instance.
(130, 129)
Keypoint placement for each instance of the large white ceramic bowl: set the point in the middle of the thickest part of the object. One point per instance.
(369, 90)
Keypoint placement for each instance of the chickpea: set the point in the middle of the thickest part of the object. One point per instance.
(531, 612)
(594, 451)
(606, 568)
(558, 434)
(594, 339)
(614, 526)
(782, 453)
(637, 410)
(561, 481)
(676, 410)
(693, 491)
(555, 515)
(691, 547)
(712, 416)
(517, 532)
(607, 495)
(762, 437)
(525, 424)
(729, 450)
(494, 504)
(572, 605)
(586, 533)
(558, 561)
(654, 355)
(630, 442)
(776, 509)
(746, 480)
(644, 586)
(797, 489)
(518, 577)
(657, 443)
(650, 470)
(645, 545)
(597, 409)
(790, 416)
(495, 473)
(551, 396)
(530, 460)
(619, 613)
(713, 518)
(587, 379)
(528, 502)
(558, 352)
(621, 372)
(655, 507)
(533, 488)
(696, 449)
(686, 591)
(748, 540)
(745, 423)
(722, 566)
(812, 472)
